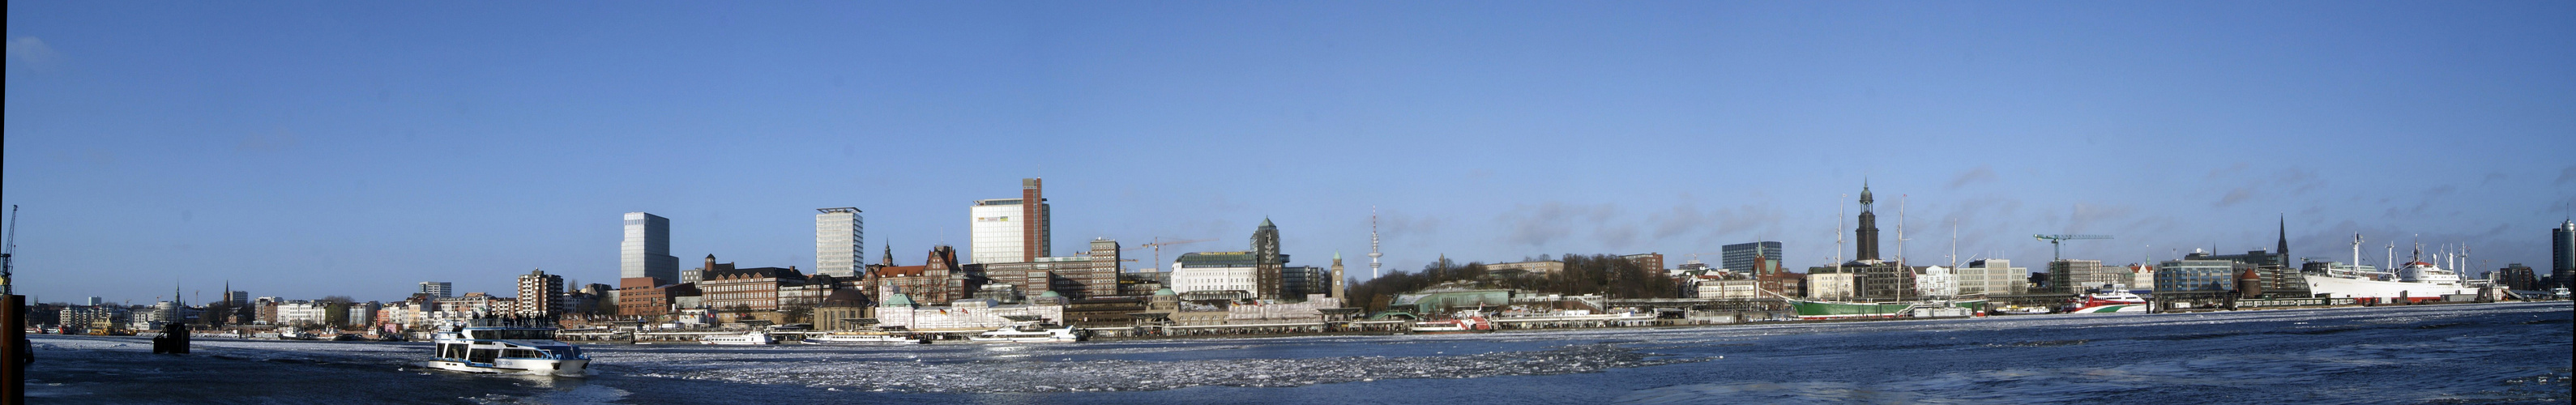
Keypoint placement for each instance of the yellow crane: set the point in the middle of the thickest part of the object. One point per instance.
(2061, 249)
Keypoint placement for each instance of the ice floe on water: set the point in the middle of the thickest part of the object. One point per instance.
(996, 375)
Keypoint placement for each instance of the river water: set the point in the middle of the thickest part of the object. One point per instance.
(2487, 353)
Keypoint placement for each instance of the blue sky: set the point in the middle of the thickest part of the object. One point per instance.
(330, 148)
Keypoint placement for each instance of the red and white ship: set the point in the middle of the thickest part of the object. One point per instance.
(2114, 298)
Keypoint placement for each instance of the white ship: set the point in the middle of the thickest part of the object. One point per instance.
(2418, 281)
(2415, 281)
(748, 338)
(863, 338)
(506, 350)
(1028, 334)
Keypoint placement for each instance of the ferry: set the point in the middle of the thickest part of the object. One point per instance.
(506, 350)
(1470, 324)
(863, 338)
(749, 338)
(2110, 299)
(1027, 334)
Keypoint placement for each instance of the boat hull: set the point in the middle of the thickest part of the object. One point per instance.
(1820, 310)
(2112, 308)
(2339, 287)
(559, 368)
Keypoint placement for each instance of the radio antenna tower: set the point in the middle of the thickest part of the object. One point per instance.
(1373, 253)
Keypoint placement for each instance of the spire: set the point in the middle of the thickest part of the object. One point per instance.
(2284, 247)
(1265, 223)
(1865, 198)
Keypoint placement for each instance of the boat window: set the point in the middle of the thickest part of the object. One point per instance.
(522, 354)
(482, 355)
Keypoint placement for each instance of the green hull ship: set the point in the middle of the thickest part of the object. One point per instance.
(1824, 310)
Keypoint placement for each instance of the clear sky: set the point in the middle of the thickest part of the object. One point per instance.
(358, 148)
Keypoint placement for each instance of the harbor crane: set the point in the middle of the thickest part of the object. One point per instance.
(2053, 242)
(1158, 245)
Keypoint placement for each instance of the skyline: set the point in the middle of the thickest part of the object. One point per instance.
(301, 151)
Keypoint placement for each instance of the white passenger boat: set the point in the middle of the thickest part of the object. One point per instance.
(506, 350)
(863, 338)
(1028, 334)
(749, 338)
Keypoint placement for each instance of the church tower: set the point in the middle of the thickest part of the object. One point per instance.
(1868, 231)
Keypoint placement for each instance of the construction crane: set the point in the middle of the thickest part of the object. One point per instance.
(1158, 245)
(2060, 248)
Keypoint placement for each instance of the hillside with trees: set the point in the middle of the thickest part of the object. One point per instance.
(1607, 275)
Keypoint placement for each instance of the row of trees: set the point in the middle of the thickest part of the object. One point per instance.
(1608, 275)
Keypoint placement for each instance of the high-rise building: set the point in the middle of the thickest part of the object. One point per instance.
(2562, 249)
(647, 249)
(438, 289)
(1012, 230)
(1267, 261)
(540, 294)
(1741, 257)
(840, 242)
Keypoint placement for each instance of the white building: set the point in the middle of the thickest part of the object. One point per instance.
(840, 242)
(1001, 227)
(1829, 286)
(971, 314)
(1215, 271)
(1936, 281)
(1993, 277)
(301, 312)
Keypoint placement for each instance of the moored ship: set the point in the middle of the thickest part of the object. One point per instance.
(748, 338)
(1469, 324)
(863, 338)
(2418, 281)
(2110, 299)
(2415, 281)
(1832, 310)
(506, 350)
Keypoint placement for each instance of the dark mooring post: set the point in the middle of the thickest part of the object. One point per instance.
(15, 353)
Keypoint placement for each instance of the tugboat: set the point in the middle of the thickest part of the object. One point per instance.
(506, 350)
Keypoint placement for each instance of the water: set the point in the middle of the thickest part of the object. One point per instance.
(2499, 353)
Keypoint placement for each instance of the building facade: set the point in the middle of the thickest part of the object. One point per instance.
(2197, 275)
(540, 295)
(1268, 262)
(1743, 257)
(438, 289)
(646, 251)
(1092, 274)
(1012, 230)
(2562, 250)
(751, 289)
(840, 242)
(1993, 277)
(2071, 276)
(1215, 271)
